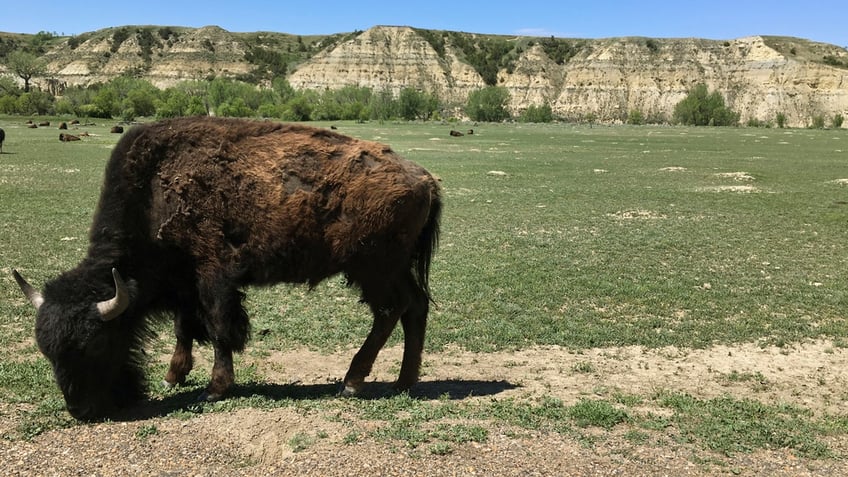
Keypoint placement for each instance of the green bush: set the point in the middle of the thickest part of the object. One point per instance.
(635, 117)
(702, 108)
(837, 121)
(488, 104)
(537, 114)
(781, 120)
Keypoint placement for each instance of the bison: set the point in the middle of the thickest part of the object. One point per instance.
(456, 133)
(65, 137)
(117, 130)
(2, 138)
(194, 209)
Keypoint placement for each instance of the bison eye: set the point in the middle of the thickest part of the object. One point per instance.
(97, 346)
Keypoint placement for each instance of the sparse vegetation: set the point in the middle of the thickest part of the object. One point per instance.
(486, 54)
(561, 50)
(511, 246)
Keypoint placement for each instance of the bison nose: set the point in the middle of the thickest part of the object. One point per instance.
(81, 412)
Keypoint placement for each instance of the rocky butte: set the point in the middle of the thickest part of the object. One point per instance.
(602, 79)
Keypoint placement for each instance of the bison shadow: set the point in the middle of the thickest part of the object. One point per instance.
(185, 399)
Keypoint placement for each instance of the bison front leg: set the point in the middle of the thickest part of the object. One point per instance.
(181, 364)
(182, 360)
(228, 329)
(223, 375)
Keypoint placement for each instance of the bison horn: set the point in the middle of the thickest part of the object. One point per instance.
(111, 308)
(33, 295)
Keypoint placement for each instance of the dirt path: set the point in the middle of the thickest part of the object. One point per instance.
(259, 442)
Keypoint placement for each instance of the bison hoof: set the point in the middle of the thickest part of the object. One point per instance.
(206, 396)
(347, 390)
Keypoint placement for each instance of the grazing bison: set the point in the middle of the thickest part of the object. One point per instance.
(117, 130)
(65, 137)
(194, 209)
(63, 125)
(2, 138)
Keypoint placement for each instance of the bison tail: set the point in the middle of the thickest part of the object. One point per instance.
(428, 240)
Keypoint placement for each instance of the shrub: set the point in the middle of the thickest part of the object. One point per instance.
(537, 114)
(837, 121)
(635, 117)
(781, 120)
(702, 108)
(488, 104)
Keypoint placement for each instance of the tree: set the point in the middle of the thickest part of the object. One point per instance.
(488, 104)
(415, 104)
(26, 66)
(702, 108)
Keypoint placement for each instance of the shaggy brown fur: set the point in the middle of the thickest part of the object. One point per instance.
(193, 209)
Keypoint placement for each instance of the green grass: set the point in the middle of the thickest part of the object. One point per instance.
(588, 240)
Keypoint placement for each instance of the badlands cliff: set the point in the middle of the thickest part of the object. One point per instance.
(601, 79)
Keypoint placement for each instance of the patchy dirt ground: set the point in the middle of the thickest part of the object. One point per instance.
(259, 442)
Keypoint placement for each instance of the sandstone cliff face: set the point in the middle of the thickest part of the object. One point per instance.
(616, 76)
(604, 80)
(389, 57)
(194, 54)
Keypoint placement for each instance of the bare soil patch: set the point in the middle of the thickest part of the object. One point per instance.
(262, 442)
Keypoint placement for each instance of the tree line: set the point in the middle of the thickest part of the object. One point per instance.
(128, 98)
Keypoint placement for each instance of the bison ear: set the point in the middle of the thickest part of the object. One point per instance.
(112, 308)
(33, 295)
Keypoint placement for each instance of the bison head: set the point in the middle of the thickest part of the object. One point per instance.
(87, 342)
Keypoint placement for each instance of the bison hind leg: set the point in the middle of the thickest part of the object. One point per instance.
(392, 300)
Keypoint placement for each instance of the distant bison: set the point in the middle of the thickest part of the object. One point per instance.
(65, 137)
(2, 138)
(117, 129)
(44, 123)
(456, 133)
(63, 125)
(194, 209)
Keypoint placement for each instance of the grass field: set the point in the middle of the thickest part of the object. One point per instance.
(552, 235)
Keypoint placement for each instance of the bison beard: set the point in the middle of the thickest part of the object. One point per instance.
(194, 209)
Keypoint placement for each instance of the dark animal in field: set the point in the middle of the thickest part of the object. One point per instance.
(2, 138)
(65, 137)
(44, 123)
(117, 129)
(455, 133)
(194, 209)
(470, 132)
(74, 121)
(63, 125)
(32, 126)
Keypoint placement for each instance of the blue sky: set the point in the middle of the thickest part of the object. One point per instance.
(825, 21)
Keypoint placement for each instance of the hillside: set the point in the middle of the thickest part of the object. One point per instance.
(602, 79)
